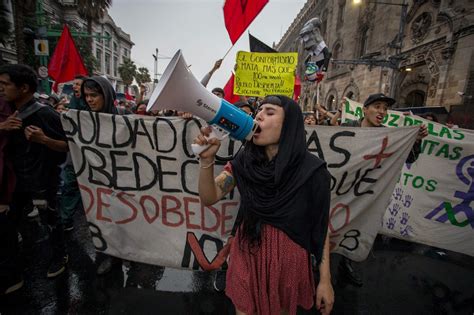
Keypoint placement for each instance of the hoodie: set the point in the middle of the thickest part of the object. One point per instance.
(108, 92)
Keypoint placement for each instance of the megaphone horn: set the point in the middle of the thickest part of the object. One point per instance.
(179, 90)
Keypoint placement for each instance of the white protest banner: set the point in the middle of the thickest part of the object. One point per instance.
(365, 164)
(138, 179)
(433, 200)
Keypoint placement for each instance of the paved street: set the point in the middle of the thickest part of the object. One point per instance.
(399, 278)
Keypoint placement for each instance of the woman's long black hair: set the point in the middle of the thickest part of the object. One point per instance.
(267, 188)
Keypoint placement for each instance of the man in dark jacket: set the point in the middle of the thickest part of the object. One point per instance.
(77, 102)
(36, 148)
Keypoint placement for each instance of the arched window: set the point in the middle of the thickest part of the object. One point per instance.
(340, 12)
(336, 54)
(324, 23)
(350, 95)
(331, 103)
(364, 37)
(415, 99)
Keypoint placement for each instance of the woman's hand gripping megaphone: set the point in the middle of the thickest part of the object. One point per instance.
(208, 142)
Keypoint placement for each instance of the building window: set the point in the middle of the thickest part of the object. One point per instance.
(331, 104)
(350, 95)
(98, 55)
(324, 23)
(364, 38)
(415, 99)
(336, 54)
(115, 66)
(115, 46)
(125, 52)
(108, 39)
(107, 63)
(340, 12)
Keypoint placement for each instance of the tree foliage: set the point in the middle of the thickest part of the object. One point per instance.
(142, 76)
(23, 16)
(92, 10)
(127, 71)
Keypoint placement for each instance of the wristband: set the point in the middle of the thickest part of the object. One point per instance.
(208, 165)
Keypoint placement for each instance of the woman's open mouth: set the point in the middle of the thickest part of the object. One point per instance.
(257, 131)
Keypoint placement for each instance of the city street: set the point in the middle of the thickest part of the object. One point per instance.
(399, 277)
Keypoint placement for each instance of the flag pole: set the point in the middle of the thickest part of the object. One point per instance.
(228, 51)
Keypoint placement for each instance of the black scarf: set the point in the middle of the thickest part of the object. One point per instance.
(269, 189)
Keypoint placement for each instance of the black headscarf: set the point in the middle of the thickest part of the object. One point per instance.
(269, 189)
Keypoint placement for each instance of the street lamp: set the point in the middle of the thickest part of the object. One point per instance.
(403, 18)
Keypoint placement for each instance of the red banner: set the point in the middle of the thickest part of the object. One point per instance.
(229, 95)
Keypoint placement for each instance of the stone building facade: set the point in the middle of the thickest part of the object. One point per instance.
(434, 65)
(110, 53)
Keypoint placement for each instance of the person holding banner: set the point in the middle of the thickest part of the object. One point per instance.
(283, 215)
(375, 110)
(99, 96)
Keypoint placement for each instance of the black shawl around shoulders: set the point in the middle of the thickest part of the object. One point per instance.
(290, 192)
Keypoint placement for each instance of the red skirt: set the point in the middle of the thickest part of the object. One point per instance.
(276, 277)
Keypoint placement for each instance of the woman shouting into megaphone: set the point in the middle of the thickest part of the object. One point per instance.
(283, 214)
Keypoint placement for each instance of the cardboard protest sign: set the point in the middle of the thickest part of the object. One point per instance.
(261, 74)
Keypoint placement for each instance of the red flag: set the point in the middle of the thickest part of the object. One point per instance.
(229, 91)
(297, 88)
(238, 14)
(128, 97)
(66, 61)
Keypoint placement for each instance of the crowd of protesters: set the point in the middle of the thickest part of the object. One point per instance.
(37, 174)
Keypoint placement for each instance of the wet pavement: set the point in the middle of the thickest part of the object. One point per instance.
(398, 278)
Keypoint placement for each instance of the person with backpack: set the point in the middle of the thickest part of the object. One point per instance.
(36, 147)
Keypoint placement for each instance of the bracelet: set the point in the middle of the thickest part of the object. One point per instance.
(208, 165)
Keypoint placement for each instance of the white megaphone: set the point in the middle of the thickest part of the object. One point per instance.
(179, 90)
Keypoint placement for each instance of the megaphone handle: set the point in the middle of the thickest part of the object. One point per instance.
(215, 133)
